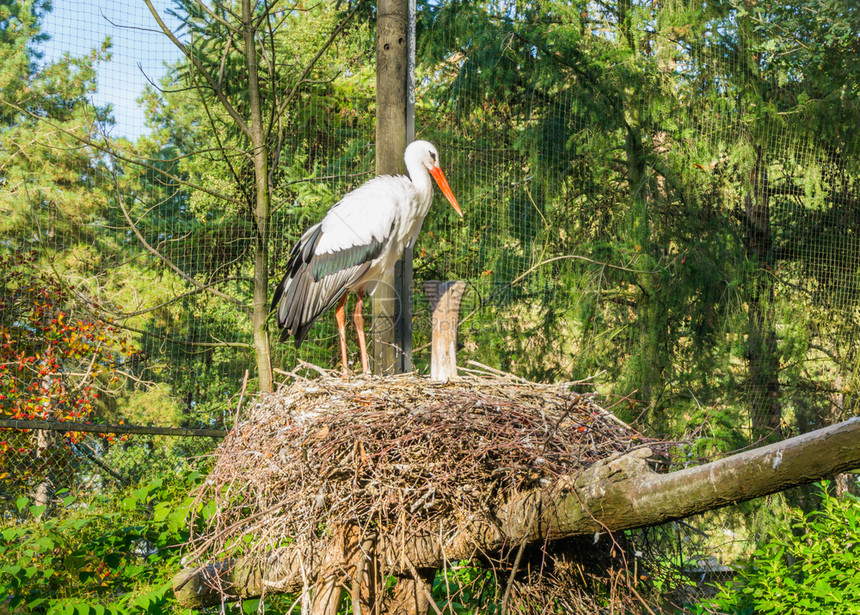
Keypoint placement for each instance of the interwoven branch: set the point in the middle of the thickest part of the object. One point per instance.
(401, 456)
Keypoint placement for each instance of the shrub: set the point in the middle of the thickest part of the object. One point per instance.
(813, 566)
(114, 554)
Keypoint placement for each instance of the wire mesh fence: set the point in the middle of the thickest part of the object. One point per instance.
(38, 463)
(649, 206)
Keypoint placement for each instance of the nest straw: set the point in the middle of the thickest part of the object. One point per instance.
(401, 454)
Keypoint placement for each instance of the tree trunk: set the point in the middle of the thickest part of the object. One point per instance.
(445, 298)
(618, 493)
(261, 206)
(650, 313)
(762, 357)
(43, 494)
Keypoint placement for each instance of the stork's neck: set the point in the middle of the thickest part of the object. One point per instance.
(422, 181)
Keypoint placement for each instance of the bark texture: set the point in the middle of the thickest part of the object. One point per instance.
(445, 298)
(391, 59)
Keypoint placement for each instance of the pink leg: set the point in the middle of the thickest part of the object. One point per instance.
(340, 317)
(358, 319)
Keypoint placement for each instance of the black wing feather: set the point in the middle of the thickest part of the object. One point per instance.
(314, 283)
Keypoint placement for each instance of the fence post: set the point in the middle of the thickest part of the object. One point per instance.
(403, 270)
(390, 296)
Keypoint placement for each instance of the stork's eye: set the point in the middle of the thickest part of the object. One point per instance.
(433, 156)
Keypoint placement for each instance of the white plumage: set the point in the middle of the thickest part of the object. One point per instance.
(357, 242)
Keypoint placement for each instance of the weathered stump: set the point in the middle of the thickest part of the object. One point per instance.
(445, 298)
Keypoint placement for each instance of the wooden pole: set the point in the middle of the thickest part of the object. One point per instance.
(403, 270)
(391, 97)
(445, 300)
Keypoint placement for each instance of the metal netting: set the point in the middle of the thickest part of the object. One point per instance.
(714, 261)
(557, 245)
(41, 463)
(652, 205)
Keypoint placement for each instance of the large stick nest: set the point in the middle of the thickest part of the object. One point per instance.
(400, 454)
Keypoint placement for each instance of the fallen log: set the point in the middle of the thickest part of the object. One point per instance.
(618, 493)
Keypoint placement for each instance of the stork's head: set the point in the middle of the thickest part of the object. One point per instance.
(425, 154)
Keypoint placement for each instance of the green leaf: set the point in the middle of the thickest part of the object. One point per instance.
(133, 570)
(177, 518)
(112, 560)
(45, 543)
(161, 511)
(21, 503)
(73, 561)
(143, 602)
(78, 524)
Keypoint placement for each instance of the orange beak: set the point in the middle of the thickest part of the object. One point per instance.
(439, 176)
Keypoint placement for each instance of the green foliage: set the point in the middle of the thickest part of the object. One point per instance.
(200, 191)
(660, 197)
(620, 158)
(19, 32)
(810, 565)
(605, 152)
(52, 183)
(465, 589)
(817, 81)
(114, 553)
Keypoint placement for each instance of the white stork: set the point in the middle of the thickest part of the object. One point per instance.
(357, 242)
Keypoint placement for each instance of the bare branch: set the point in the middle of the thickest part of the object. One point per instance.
(164, 304)
(531, 269)
(282, 107)
(166, 260)
(233, 29)
(224, 55)
(122, 155)
(165, 338)
(221, 149)
(219, 93)
(93, 428)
